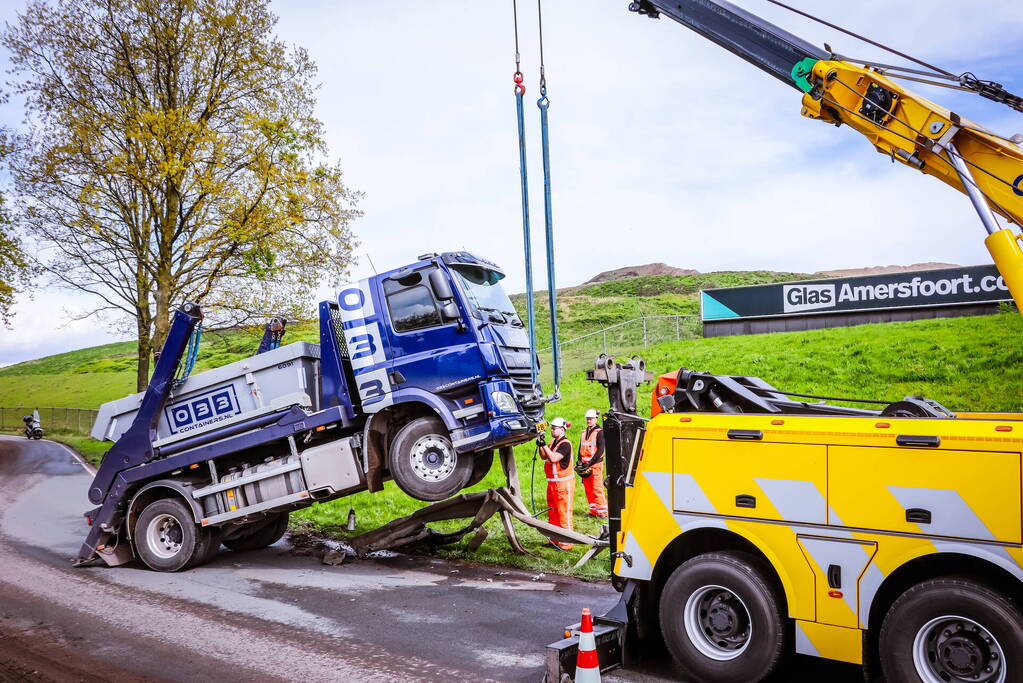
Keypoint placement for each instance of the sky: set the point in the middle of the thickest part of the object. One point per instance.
(664, 147)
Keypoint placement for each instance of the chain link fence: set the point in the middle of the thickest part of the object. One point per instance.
(639, 333)
(76, 420)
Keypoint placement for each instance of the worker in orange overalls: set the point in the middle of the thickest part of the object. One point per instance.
(557, 457)
(591, 465)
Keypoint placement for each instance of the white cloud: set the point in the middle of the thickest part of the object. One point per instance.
(664, 147)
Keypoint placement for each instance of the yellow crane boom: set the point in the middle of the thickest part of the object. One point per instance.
(918, 133)
(898, 122)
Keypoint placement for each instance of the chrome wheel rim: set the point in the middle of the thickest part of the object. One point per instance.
(433, 458)
(717, 623)
(164, 536)
(953, 649)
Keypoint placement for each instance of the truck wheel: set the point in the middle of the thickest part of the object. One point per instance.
(952, 630)
(721, 619)
(211, 539)
(482, 462)
(167, 538)
(424, 464)
(261, 535)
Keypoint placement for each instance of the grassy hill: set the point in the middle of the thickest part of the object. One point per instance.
(88, 377)
(588, 308)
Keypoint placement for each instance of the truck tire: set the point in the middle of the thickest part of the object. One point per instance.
(212, 540)
(482, 463)
(424, 464)
(261, 535)
(721, 619)
(167, 539)
(952, 630)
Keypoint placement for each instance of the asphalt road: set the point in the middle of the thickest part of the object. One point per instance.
(267, 614)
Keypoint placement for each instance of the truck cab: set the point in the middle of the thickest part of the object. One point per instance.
(441, 368)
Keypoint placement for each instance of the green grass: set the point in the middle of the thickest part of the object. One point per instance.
(89, 377)
(70, 390)
(588, 308)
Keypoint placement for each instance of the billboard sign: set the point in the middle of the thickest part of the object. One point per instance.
(916, 289)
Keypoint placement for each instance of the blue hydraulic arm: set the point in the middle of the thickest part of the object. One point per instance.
(136, 444)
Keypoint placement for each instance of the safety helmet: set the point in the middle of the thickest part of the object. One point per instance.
(592, 412)
(560, 422)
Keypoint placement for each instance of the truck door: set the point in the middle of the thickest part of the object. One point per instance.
(432, 348)
(367, 345)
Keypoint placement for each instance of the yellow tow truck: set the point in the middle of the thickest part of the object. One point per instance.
(748, 522)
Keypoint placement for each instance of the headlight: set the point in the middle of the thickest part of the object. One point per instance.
(504, 402)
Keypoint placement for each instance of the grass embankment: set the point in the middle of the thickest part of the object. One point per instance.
(588, 308)
(89, 377)
(85, 378)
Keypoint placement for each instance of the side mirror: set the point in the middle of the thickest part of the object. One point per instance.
(440, 286)
(449, 312)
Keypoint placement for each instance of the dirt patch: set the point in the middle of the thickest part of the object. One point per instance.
(639, 271)
(884, 270)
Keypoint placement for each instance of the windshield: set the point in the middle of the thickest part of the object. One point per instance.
(482, 287)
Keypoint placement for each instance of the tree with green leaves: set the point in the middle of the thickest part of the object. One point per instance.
(173, 155)
(13, 266)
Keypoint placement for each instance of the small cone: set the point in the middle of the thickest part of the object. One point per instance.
(587, 668)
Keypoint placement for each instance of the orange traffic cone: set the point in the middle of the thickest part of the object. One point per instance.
(587, 668)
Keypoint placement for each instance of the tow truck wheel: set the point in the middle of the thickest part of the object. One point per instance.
(721, 619)
(952, 630)
(424, 464)
(261, 534)
(167, 538)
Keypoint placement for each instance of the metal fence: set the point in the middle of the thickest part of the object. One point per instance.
(77, 420)
(639, 333)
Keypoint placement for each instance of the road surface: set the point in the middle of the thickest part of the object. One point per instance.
(267, 614)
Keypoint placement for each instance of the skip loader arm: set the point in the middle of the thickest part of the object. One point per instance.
(899, 123)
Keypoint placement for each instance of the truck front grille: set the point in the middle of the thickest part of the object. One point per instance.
(522, 382)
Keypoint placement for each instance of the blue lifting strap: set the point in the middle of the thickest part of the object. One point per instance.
(190, 355)
(552, 293)
(520, 90)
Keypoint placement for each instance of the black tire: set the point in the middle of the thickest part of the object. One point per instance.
(211, 541)
(166, 537)
(482, 463)
(738, 632)
(928, 636)
(263, 534)
(424, 464)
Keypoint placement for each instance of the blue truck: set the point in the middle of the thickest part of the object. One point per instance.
(421, 373)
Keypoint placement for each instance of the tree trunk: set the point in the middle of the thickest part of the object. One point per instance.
(145, 350)
(165, 286)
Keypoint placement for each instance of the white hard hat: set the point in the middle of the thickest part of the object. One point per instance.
(592, 412)
(559, 422)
